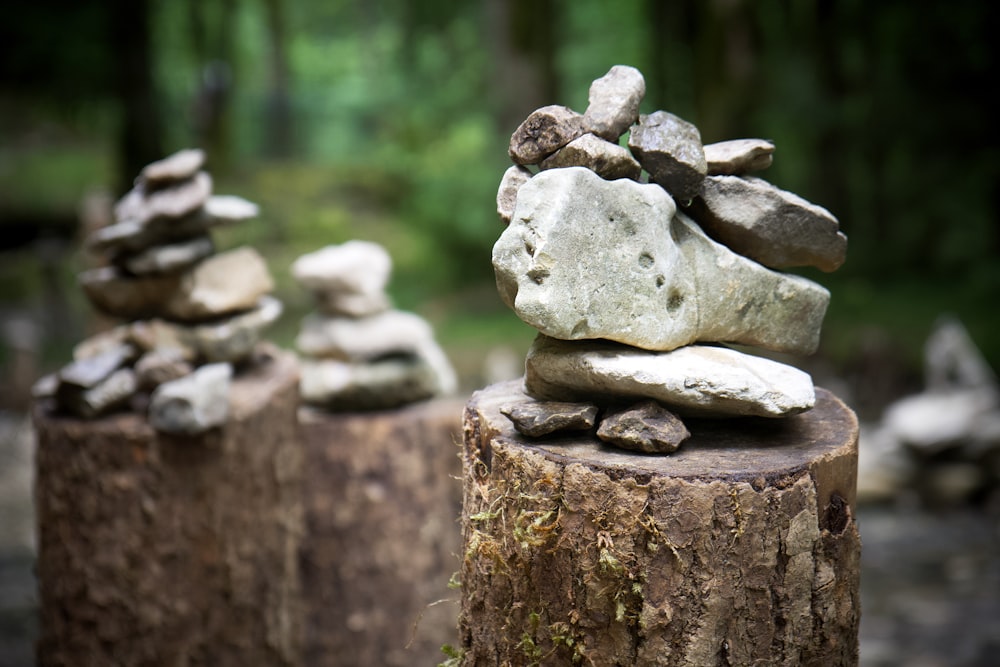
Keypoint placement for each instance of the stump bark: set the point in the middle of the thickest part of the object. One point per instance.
(738, 549)
(382, 501)
(160, 550)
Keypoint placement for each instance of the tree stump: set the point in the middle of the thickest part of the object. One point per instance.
(382, 502)
(738, 549)
(160, 550)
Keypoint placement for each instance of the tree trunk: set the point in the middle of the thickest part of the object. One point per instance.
(740, 548)
(382, 507)
(158, 550)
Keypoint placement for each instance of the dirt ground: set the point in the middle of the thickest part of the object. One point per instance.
(930, 580)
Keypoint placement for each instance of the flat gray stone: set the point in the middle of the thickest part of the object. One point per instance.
(769, 225)
(172, 201)
(738, 156)
(696, 380)
(543, 132)
(158, 366)
(221, 285)
(88, 372)
(614, 102)
(585, 258)
(109, 394)
(117, 294)
(645, 427)
(132, 236)
(177, 167)
(607, 160)
(222, 210)
(355, 268)
(670, 150)
(101, 341)
(352, 304)
(365, 338)
(170, 258)
(158, 334)
(384, 384)
(194, 403)
(510, 183)
(536, 419)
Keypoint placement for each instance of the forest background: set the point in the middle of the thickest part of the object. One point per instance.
(388, 120)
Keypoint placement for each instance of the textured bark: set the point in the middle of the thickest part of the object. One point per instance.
(738, 549)
(382, 507)
(159, 550)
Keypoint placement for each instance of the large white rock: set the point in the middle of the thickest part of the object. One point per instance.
(585, 258)
(697, 380)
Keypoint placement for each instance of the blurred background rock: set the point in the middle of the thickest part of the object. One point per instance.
(388, 121)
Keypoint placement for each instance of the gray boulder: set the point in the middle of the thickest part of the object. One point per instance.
(585, 258)
(669, 148)
(696, 380)
(769, 225)
(176, 200)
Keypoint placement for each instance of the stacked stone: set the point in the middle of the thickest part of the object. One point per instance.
(634, 284)
(360, 353)
(191, 313)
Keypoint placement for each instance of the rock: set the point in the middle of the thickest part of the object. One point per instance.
(158, 366)
(769, 225)
(696, 380)
(614, 102)
(100, 342)
(738, 156)
(235, 338)
(585, 258)
(109, 394)
(129, 297)
(192, 404)
(644, 427)
(511, 182)
(227, 210)
(885, 468)
(384, 384)
(132, 236)
(931, 422)
(170, 258)
(88, 372)
(952, 360)
(223, 284)
(364, 338)
(177, 167)
(173, 201)
(45, 387)
(609, 161)
(350, 277)
(670, 149)
(539, 418)
(158, 334)
(543, 132)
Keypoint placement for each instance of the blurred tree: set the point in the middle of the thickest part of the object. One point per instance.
(278, 131)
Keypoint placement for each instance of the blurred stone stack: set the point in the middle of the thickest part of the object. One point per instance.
(360, 353)
(191, 313)
(635, 284)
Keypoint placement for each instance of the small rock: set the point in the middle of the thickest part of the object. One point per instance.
(696, 380)
(111, 393)
(351, 304)
(131, 236)
(585, 258)
(543, 132)
(769, 225)
(173, 201)
(100, 342)
(235, 338)
(158, 334)
(158, 366)
(129, 297)
(223, 284)
(609, 161)
(511, 182)
(355, 267)
(539, 418)
(380, 385)
(170, 258)
(931, 422)
(177, 167)
(644, 427)
(952, 360)
(227, 210)
(362, 339)
(614, 102)
(88, 372)
(670, 149)
(192, 404)
(738, 156)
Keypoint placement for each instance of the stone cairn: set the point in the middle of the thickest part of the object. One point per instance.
(635, 284)
(192, 314)
(360, 353)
